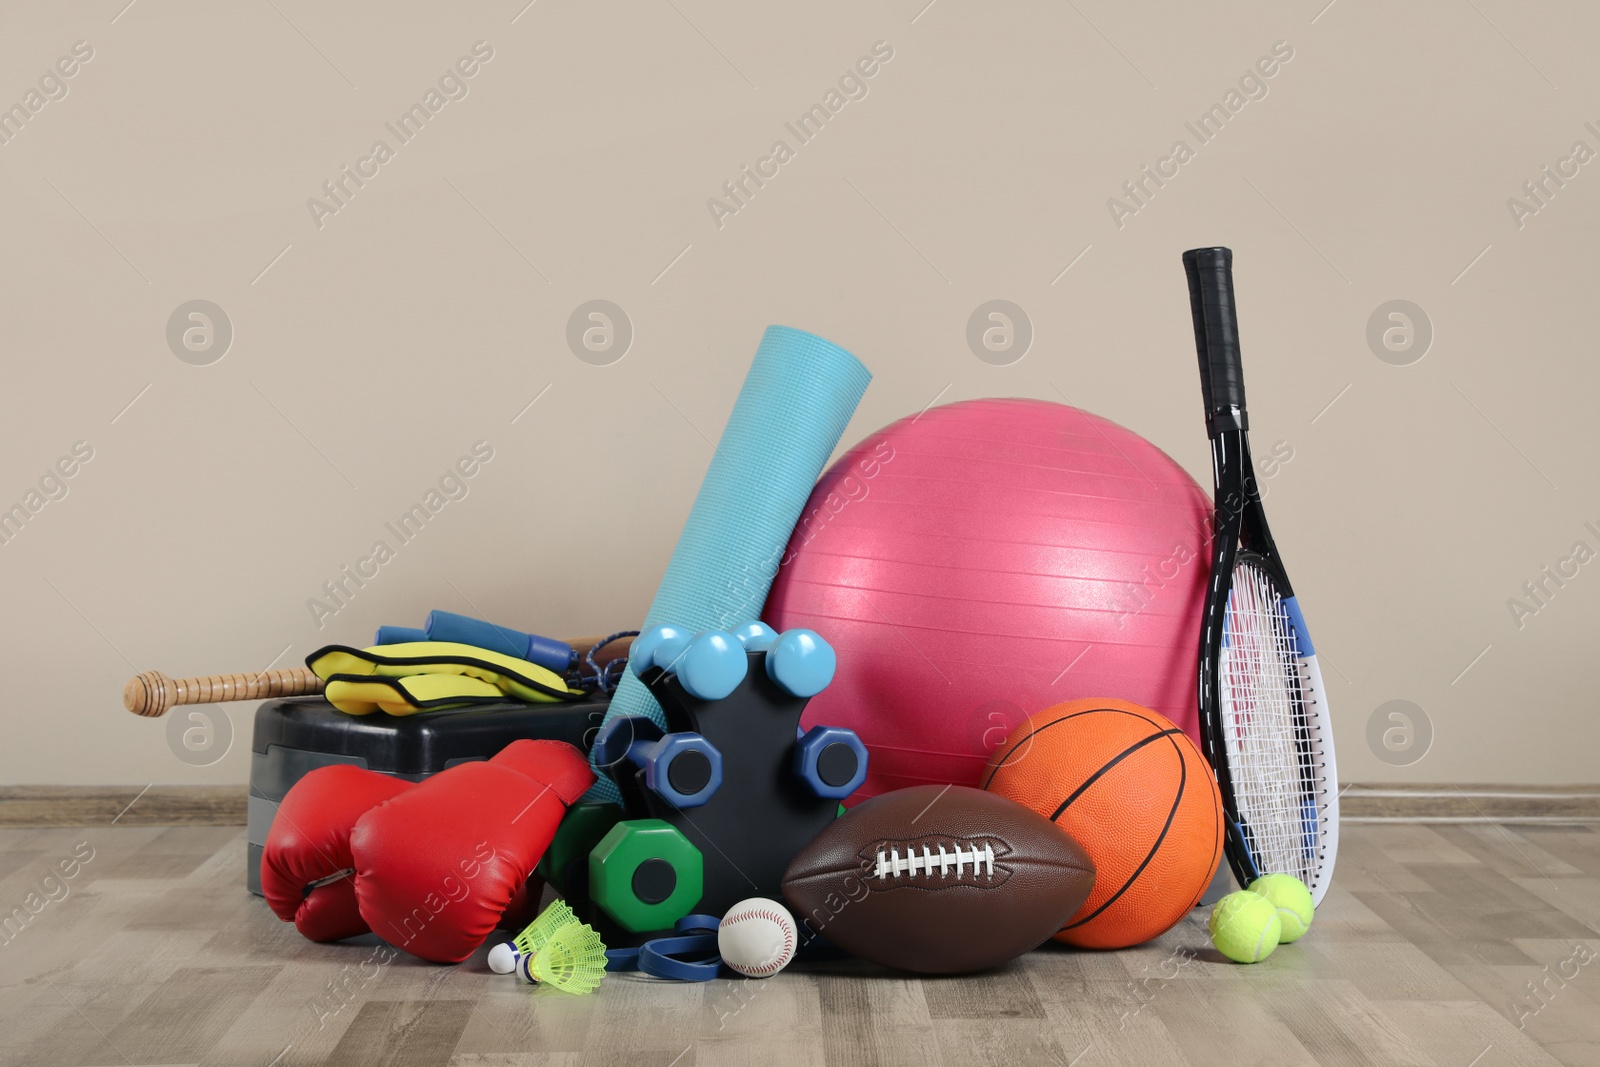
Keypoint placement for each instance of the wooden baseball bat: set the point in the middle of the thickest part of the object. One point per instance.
(152, 694)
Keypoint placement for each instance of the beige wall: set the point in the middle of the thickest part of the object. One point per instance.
(425, 314)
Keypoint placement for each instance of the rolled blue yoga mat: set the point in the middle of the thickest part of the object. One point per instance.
(791, 412)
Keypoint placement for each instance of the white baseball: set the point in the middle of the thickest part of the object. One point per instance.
(757, 937)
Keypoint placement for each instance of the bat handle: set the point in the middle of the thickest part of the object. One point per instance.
(152, 693)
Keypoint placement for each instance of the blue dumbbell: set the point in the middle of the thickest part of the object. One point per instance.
(802, 662)
(684, 769)
(831, 760)
(617, 737)
(755, 635)
(659, 646)
(712, 666)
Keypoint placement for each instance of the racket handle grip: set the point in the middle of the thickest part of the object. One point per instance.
(152, 693)
(1216, 331)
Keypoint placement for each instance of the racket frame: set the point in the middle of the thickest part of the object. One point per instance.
(1240, 523)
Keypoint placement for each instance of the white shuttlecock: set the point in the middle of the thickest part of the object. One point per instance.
(503, 958)
(757, 937)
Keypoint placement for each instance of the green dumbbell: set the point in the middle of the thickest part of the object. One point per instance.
(581, 829)
(645, 874)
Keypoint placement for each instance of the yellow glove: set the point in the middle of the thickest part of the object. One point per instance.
(356, 694)
(500, 676)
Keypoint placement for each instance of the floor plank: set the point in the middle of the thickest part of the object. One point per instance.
(132, 805)
(1438, 946)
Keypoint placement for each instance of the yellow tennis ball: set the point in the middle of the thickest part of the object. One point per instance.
(1293, 901)
(1245, 927)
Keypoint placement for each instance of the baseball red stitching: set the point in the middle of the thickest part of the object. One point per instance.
(770, 966)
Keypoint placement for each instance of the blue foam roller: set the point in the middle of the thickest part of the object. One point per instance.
(791, 412)
(398, 635)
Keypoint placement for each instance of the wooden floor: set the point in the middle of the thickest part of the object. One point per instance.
(1447, 945)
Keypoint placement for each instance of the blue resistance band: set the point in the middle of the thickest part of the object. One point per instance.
(691, 956)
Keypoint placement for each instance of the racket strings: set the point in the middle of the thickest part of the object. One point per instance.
(1268, 711)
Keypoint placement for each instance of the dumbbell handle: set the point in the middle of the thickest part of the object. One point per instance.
(153, 694)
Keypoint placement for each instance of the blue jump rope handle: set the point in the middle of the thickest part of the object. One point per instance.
(547, 652)
(398, 635)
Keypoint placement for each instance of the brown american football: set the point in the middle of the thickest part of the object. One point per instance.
(939, 880)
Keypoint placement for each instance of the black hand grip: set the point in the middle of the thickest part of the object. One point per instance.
(1216, 328)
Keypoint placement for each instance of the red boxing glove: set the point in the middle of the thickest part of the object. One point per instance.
(307, 874)
(437, 866)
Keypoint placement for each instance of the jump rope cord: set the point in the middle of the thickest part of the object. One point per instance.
(605, 678)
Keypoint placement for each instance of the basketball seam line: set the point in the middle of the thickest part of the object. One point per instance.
(1105, 767)
(1054, 722)
(1183, 767)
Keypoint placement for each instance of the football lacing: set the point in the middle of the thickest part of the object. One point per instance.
(891, 864)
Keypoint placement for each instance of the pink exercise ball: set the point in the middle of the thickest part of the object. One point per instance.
(985, 560)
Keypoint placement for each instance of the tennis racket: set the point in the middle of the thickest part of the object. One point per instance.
(1263, 710)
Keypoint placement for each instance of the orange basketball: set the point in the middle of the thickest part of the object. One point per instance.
(1134, 791)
